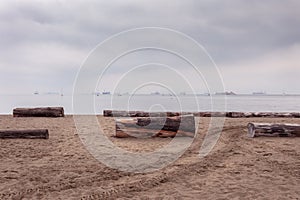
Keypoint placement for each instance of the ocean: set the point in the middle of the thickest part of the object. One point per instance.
(242, 103)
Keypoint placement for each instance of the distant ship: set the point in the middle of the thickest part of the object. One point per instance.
(96, 93)
(155, 93)
(36, 93)
(259, 93)
(105, 93)
(225, 93)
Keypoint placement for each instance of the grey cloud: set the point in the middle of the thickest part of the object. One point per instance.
(232, 31)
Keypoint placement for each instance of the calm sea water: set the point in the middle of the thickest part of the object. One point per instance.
(156, 103)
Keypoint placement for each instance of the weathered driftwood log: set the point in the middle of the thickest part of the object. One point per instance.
(239, 114)
(266, 129)
(27, 134)
(39, 112)
(114, 113)
(275, 115)
(210, 114)
(156, 127)
(295, 114)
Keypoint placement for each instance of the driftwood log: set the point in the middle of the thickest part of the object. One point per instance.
(156, 127)
(120, 113)
(39, 112)
(266, 129)
(26, 134)
(116, 113)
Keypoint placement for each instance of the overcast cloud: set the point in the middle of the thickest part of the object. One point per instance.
(255, 44)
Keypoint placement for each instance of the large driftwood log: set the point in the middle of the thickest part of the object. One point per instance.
(115, 113)
(156, 127)
(27, 134)
(120, 113)
(266, 129)
(39, 112)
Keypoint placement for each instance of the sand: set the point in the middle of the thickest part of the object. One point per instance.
(61, 168)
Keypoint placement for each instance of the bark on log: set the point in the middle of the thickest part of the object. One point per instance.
(156, 127)
(39, 112)
(117, 113)
(238, 115)
(210, 114)
(266, 129)
(26, 134)
(295, 114)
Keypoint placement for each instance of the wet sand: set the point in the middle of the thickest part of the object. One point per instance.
(61, 168)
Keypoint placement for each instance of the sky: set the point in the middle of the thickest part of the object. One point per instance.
(255, 44)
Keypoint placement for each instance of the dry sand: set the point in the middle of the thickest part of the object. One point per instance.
(61, 168)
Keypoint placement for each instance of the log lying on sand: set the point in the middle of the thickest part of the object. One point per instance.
(115, 113)
(209, 114)
(39, 112)
(26, 134)
(266, 129)
(120, 113)
(156, 127)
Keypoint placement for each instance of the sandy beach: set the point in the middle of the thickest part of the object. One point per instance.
(61, 168)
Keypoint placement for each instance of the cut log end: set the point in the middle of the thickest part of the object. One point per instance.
(251, 130)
